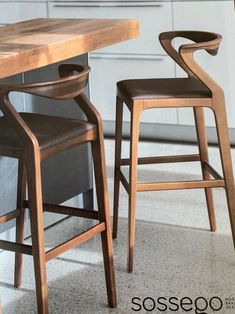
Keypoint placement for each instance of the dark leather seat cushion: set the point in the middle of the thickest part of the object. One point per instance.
(49, 130)
(163, 88)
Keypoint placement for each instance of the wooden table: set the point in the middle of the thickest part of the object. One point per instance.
(32, 44)
(37, 43)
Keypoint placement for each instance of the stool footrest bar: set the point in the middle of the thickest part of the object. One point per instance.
(83, 237)
(212, 171)
(67, 210)
(9, 216)
(196, 184)
(163, 159)
(16, 247)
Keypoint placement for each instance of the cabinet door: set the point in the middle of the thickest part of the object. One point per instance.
(13, 11)
(154, 17)
(107, 69)
(194, 16)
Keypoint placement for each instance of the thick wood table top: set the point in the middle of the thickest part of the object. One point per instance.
(32, 44)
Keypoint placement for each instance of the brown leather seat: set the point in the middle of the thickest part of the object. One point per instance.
(163, 88)
(31, 138)
(197, 91)
(50, 131)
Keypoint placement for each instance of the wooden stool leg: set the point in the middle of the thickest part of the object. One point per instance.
(118, 148)
(88, 199)
(103, 206)
(203, 151)
(134, 139)
(20, 222)
(33, 172)
(225, 154)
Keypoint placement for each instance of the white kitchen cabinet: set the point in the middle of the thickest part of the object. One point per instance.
(154, 17)
(15, 11)
(215, 16)
(107, 69)
(142, 57)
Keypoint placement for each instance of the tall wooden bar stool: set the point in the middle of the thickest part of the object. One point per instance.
(198, 90)
(32, 138)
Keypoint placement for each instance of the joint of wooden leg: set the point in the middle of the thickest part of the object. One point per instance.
(124, 181)
(212, 171)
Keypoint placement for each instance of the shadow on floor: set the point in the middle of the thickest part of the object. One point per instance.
(170, 261)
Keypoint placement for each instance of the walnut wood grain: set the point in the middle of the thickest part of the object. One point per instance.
(198, 90)
(23, 131)
(35, 43)
(26, 46)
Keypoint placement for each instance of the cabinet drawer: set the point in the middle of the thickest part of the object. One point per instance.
(12, 12)
(154, 17)
(107, 69)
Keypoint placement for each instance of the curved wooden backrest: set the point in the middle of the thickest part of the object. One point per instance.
(202, 40)
(74, 78)
(184, 55)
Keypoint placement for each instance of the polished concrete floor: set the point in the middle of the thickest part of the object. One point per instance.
(176, 255)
